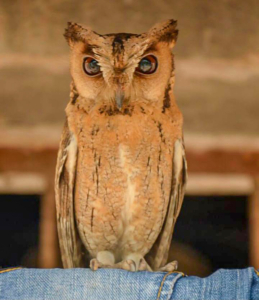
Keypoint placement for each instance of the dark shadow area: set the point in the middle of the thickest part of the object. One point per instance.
(19, 230)
(210, 230)
(216, 227)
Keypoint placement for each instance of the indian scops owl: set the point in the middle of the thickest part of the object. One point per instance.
(121, 169)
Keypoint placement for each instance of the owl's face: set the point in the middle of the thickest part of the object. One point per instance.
(119, 70)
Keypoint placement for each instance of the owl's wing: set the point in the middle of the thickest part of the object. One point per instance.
(69, 241)
(158, 255)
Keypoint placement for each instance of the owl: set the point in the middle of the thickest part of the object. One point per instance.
(121, 168)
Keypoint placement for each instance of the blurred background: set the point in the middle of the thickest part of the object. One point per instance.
(217, 75)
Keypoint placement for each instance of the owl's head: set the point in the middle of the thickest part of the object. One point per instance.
(122, 69)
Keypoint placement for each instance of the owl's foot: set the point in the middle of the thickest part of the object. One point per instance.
(144, 266)
(133, 262)
(170, 267)
(104, 259)
(95, 264)
(137, 263)
(127, 264)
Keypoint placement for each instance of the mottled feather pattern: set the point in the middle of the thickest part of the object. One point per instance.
(70, 247)
(121, 171)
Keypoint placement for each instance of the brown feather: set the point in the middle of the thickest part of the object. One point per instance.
(70, 245)
(158, 255)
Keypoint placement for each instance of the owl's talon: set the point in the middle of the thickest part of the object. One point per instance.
(170, 267)
(94, 264)
(143, 265)
(129, 265)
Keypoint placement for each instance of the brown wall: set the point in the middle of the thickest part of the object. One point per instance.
(217, 57)
(207, 28)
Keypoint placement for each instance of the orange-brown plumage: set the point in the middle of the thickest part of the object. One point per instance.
(121, 171)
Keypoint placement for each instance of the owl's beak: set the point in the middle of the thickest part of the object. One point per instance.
(119, 97)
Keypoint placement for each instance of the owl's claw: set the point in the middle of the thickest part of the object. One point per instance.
(170, 267)
(144, 266)
(133, 265)
(126, 264)
(137, 263)
(95, 264)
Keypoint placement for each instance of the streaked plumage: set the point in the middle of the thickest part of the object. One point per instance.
(121, 167)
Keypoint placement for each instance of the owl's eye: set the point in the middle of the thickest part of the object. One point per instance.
(91, 67)
(147, 65)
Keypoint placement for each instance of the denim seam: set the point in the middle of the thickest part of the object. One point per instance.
(9, 270)
(173, 284)
(256, 272)
(163, 281)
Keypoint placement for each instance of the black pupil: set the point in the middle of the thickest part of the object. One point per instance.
(93, 66)
(145, 65)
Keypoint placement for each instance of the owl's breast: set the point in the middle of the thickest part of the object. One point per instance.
(123, 181)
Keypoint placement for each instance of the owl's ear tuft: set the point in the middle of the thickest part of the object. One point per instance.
(76, 33)
(165, 32)
(72, 32)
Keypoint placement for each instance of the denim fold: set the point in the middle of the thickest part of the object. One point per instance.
(110, 284)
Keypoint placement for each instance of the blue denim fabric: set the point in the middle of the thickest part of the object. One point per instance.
(79, 284)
